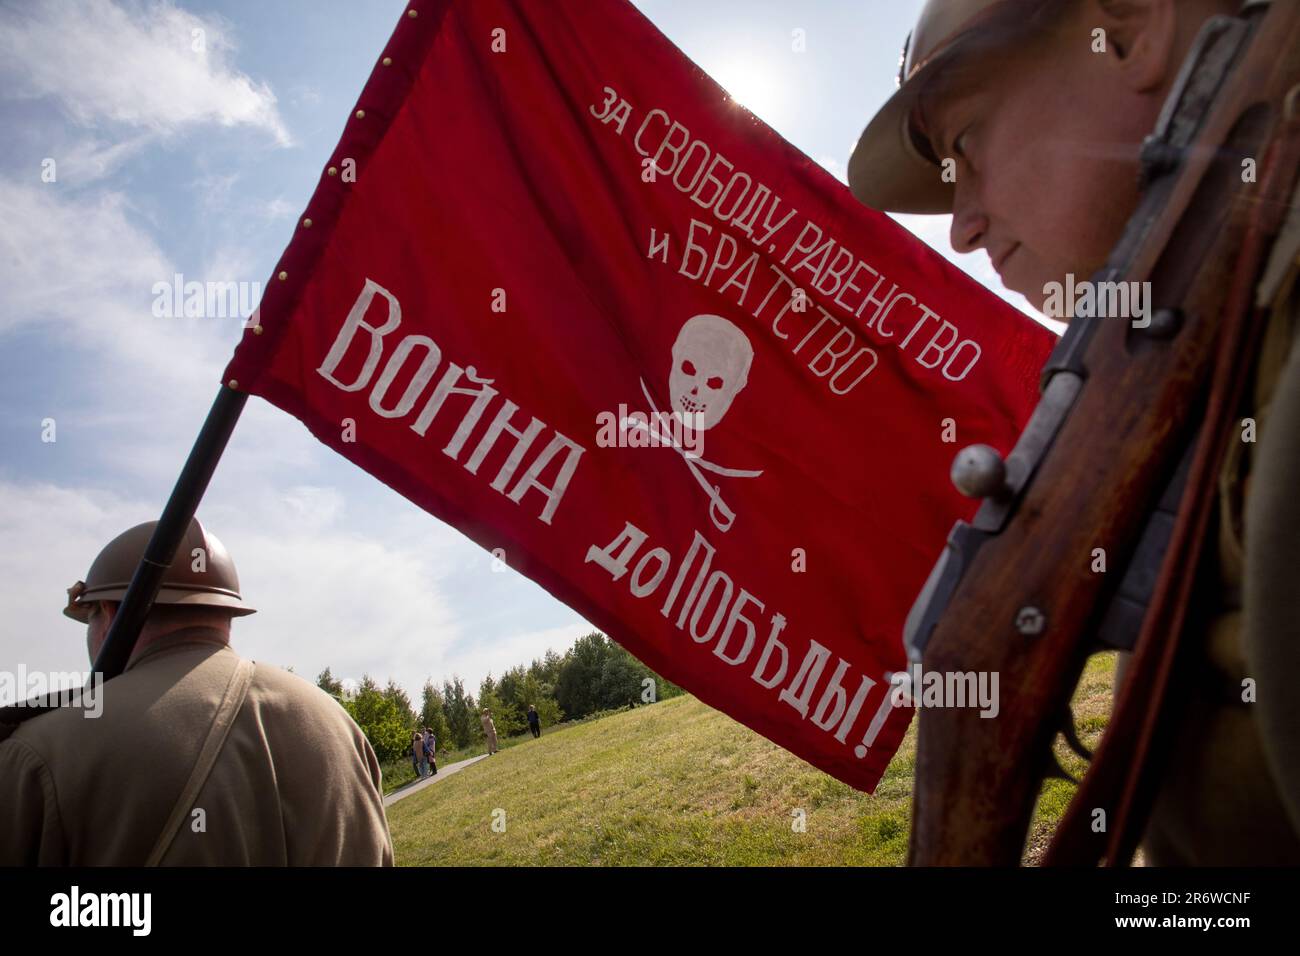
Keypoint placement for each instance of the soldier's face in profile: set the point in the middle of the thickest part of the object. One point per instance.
(1046, 143)
(101, 616)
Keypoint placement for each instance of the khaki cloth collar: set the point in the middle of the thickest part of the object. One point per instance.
(184, 637)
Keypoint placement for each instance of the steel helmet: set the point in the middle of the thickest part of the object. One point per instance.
(890, 169)
(201, 573)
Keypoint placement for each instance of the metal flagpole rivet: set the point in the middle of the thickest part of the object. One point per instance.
(387, 61)
(412, 13)
(233, 383)
(361, 114)
(306, 223)
(333, 171)
(283, 276)
(257, 330)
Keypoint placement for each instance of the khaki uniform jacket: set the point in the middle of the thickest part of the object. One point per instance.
(296, 782)
(1230, 793)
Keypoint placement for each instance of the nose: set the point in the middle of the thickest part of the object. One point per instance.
(969, 224)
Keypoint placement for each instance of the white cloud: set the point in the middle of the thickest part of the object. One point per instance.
(476, 660)
(80, 270)
(213, 191)
(135, 66)
(86, 160)
(50, 535)
(303, 95)
(314, 506)
(66, 257)
(331, 597)
(80, 267)
(279, 208)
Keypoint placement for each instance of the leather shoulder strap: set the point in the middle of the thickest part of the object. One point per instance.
(236, 692)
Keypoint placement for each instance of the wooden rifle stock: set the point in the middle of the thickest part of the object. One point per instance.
(1014, 592)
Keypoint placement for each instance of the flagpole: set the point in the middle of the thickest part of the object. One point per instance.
(167, 536)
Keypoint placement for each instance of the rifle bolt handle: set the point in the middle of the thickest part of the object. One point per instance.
(978, 471)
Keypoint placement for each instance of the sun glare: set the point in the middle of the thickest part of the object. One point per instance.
(753, 87)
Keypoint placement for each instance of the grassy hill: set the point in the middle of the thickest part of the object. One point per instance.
(679, 783)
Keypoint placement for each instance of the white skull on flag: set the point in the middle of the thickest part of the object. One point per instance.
(711, 360)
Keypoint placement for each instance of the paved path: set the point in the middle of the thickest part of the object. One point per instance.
(416, 786)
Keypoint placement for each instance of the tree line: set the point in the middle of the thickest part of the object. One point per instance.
(594, 675)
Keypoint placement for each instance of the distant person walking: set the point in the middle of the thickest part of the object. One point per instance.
(418, 758)
(430, 750)
(489, 731)
(534, 721)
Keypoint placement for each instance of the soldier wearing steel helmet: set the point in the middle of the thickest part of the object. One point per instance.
(1042, 127)
(198, 757)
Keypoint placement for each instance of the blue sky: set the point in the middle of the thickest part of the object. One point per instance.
(168, 161)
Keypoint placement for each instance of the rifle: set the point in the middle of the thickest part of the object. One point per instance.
(1121, 453)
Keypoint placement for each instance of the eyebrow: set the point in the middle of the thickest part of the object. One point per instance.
(919, 131)
(920, 124)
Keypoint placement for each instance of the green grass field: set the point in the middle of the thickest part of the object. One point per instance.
(398, 773)
(678, 783)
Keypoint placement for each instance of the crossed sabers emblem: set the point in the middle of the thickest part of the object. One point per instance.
(719, 511)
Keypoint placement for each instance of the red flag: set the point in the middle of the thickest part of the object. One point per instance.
(547, 240)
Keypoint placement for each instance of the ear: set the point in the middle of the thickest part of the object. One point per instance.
(1140, 40)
